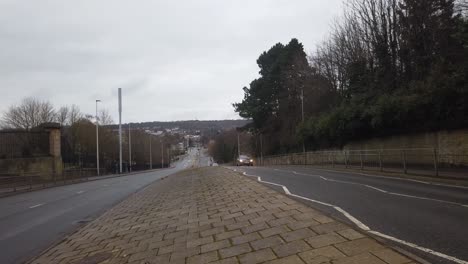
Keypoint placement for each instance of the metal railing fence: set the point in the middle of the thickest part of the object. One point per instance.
(424, 161)
(23, 144)
(35, 180)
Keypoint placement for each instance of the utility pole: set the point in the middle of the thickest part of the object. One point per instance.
(151, 154)
(120, 130)
(169, 157)
(97, 138)
(302, 111)
(238, 145)
(162, 154)
(261, 149)
(129, 149)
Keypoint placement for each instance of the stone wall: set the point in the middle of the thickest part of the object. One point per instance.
(44, 167)
(47, 166)
(451, 146)
(447, 149)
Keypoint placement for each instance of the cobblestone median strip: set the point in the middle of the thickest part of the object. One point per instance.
(214, 215)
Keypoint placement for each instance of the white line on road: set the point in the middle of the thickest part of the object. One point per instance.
(380, 190)
(79, 192)
(365, 227)
(427, 250)
(37, 205)
(397, 178)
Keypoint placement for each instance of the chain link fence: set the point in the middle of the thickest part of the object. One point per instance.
(419, 161)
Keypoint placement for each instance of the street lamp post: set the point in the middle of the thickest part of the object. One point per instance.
(238, 145)
(261, 149)
(129, 149)
(120, 130)
(162, 154)
(151, 154)
(97, 138)
(302, 112)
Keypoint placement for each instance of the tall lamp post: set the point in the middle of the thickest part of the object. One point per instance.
(238, 145)
(97, 138)
(302, 112)
(120, 130)
(162, 153)
(151, 152)
(129, 149)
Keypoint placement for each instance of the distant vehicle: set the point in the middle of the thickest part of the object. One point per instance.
(244, 160)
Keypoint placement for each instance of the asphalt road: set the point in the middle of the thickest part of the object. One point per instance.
(31, 222)
(431, 216)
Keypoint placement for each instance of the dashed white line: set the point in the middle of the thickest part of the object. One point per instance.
(380, 190)
(398, 178)
(37, 205)
(79, 192)
(364, 227)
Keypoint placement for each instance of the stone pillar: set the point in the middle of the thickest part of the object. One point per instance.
(55, 147)
(54, 143)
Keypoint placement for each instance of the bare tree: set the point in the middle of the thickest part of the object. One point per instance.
(105, 118)
(62, 115)
(74, 115)
(29, 114)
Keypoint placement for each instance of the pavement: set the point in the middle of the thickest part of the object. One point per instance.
(30, 222)
(215, 215)
(426, 219)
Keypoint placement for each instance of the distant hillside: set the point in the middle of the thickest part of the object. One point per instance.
(191, 126)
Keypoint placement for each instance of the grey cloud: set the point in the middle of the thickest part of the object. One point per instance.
(174, 59)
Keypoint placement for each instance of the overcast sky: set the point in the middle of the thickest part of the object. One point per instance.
(175, 60)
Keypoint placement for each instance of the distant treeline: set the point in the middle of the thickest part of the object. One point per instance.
(192, 125)
(388, 67)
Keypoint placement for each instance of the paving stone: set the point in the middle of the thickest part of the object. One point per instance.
(329, 227)
(257, 256)
(302, 224)
(294, 259)
(235, 250)
(321, 255)
(350, 234)
(358, 246)
(213, 215)
(200, 241)
(238, 225)
(229, 234)
(232, 260)
(273, 231)
(267, 242)
(212, 231)
(291, 248)
(203, 258)
(298, 234)
(390, 256)
(245, 238)
(325, 240)
(364, 258)
(215, 245)
(254, 228)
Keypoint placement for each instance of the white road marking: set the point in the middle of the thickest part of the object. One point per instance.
(380, 190)
(427, 250)
(397, 178)
(365, 227)
(79, 192)
(37, 205)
